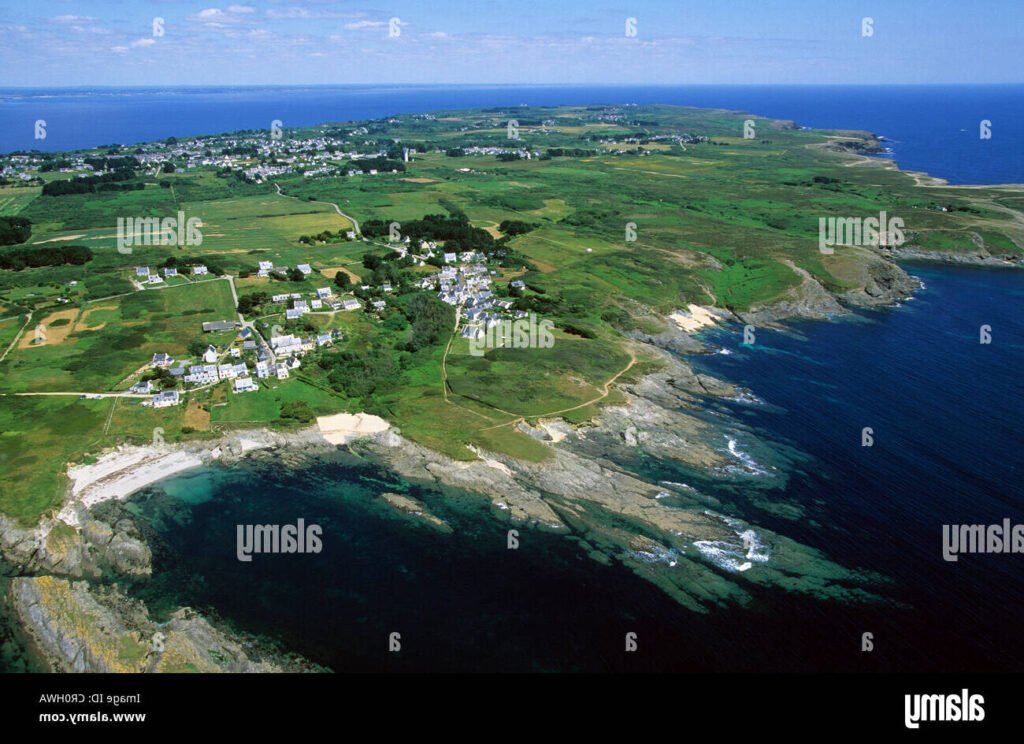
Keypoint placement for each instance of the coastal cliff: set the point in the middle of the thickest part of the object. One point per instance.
(80, 627)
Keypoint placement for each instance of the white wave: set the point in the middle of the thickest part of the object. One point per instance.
(739, 555)
(657, 554)
(749, 464)
(745, 396)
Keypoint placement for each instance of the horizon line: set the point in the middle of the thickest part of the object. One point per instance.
(86, 86)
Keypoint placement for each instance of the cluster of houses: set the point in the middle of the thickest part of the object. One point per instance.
(522, 153)
(260, 157)
(323, 299)
(465, 282)
(145, 276)
(266, 268)
(274, 360)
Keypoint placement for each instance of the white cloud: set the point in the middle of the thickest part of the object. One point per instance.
(289, 13)
(144, 42)
(209, 13)
(296, 12)
(241, 9)
(73, 19)
(372, 25)
(90, 30)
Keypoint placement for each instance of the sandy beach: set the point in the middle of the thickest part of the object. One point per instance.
(119, 474)
(342, 428)
(694, 318)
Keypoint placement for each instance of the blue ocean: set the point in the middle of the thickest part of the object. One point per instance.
(943, 409)
(933, 128)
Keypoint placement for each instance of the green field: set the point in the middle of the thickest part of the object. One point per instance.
(14, 200)
(618, 236)
(105, 341)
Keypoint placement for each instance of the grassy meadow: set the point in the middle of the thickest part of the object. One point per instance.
(621, 233)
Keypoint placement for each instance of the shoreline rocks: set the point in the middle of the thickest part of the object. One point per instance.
(79, 627)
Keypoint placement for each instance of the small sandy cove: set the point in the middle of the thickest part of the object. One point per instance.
(342, 428)
(119, 474)
(694, 318)
(129, 468)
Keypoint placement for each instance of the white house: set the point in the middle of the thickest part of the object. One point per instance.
(170, 271)
(142, 271)
(305, 269)
(351, 304)
(199, 374)
(199, 270)
(277, 341)
(210, 357)
(246, 385)
(165, 399)
(324, 293)
(161, 360)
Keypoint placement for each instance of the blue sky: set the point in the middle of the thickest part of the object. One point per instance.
(112, 42)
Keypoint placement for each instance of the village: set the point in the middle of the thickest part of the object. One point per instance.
(464, 282)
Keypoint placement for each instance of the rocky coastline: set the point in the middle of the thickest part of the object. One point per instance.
(671, 535)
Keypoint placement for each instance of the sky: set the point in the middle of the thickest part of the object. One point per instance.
(637, 42)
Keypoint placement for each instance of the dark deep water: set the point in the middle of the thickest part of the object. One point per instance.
(944, 410)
